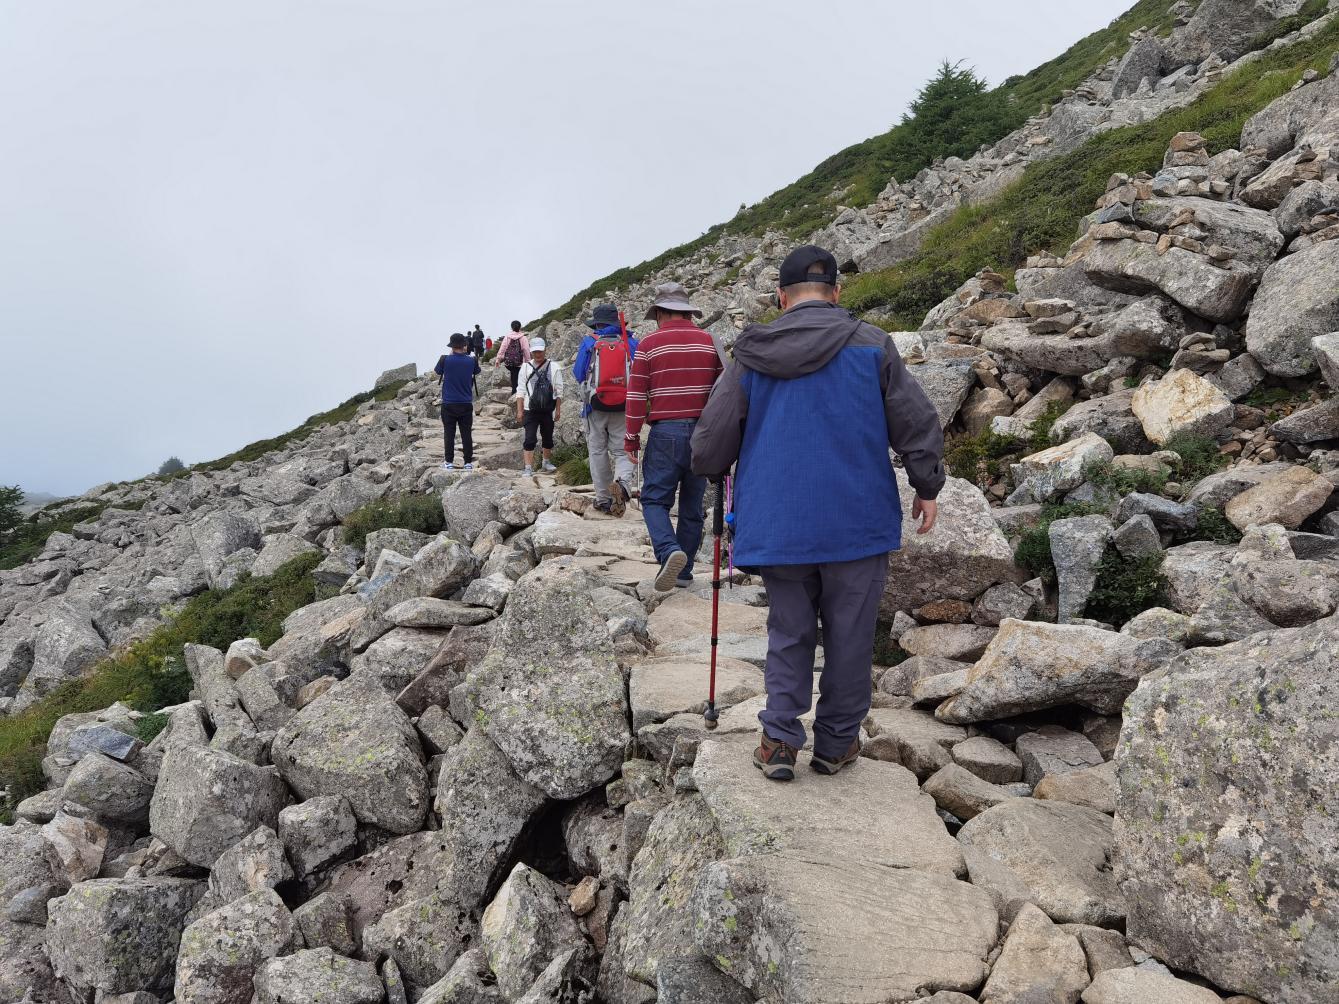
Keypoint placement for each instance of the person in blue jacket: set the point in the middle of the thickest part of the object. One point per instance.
(604, 409)
(458, 369)
(819, 387)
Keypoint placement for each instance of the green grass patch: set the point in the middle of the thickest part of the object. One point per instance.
(1124, 480)
(573, 463)
(1126, 586)
(421, 513)
(1199, 455)
(967, 456)
(26, 541)
(150, 674)
(954, 115)
(1043, 209)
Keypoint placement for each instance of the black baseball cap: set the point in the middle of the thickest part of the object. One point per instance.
(795, 268)
(459, 341)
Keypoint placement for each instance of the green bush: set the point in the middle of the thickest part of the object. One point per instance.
(1126, 586)
(966, 456)
(150, 674)
(1034, 546)
(422, 513)
(1199, 455)
(1213, 526)
(1042, 210)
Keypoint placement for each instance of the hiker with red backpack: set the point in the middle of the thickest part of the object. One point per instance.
(513, 352)
(602, 366)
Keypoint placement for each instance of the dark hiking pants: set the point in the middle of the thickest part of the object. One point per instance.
(845, 596)
(458, 416)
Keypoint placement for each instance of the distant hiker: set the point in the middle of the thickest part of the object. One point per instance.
(603, 364)
(672, 375)
(458, 370)
(822, 387)
(539, 403)
(513, 352)
(477, 341)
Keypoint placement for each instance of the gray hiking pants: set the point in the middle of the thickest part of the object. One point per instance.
(604, 440)
(845, 595)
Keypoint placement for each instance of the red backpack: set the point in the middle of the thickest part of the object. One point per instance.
(609, 372)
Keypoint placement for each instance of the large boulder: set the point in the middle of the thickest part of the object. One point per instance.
(1041, 476)
(220, 535)
(1226, 28)
(946, 383)
(550, 693)
(207, 800)
(1228, 820)
(1295, 303)
(406, 372)
(1182, 402)
(355, 741)
(656, 924)
(1052, 854)
(472, 503)
(220, 951)
(526, 926)
(318, 974)
(119, 935)
(1252, 235)
(1218, 293)
(1039, 962)
(781, 926)
(1287, 499)
(963, 556)
(1034, 665)
(65, 645)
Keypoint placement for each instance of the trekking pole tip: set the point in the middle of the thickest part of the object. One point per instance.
(711, 717)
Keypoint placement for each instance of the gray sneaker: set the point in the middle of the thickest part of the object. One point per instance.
(669, 571)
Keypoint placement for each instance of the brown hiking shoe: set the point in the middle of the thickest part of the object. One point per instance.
(830, 765)
(618, 498)
(776, 760)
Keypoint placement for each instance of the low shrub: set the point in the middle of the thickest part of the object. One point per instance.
(422, 513)
(1126, 586)
(1124, 480)
(26, 540)
(1214, 527)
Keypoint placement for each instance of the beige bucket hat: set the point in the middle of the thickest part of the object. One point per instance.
(671, 296)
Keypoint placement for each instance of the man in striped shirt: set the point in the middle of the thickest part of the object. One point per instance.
(672, 376)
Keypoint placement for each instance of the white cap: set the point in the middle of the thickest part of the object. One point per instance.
(536, 345)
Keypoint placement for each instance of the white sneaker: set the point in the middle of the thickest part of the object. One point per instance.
(469, 467)
(529, 472)
(448, 466)
(548, 468)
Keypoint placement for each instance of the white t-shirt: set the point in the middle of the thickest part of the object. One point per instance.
(526, 380)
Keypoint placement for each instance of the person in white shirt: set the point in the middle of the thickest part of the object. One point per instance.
(539, 404)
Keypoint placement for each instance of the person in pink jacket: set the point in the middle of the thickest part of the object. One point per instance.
(513, 352)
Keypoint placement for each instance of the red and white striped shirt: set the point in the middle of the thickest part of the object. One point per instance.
(672, 374)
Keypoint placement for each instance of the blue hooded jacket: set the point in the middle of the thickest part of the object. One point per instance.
(820, 390)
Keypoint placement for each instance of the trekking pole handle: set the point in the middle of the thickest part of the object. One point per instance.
(718, 510)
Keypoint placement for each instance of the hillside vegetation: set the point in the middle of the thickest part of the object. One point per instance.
(1041, 212)
(953, 115)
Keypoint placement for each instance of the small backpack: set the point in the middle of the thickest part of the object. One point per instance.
(609, 373)
(514, 354)
(541, 393)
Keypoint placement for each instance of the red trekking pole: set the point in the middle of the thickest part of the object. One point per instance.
(711, 715)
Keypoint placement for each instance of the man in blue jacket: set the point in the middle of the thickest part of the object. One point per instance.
(458, 370)
(819, 387)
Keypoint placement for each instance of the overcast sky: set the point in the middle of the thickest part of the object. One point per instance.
(218, 217)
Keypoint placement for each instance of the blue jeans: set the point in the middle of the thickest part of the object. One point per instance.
(667, 469)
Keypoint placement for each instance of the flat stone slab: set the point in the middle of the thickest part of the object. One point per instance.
(872, 813)
(430, 612)
(683, 615)
(564, 533)
(837, 931)
(659, 689)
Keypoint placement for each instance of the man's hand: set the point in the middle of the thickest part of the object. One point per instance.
(520, 415)
(926, 512)
(558, 412)
(632, 445)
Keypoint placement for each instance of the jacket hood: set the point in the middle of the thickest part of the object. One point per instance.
(802, 340)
